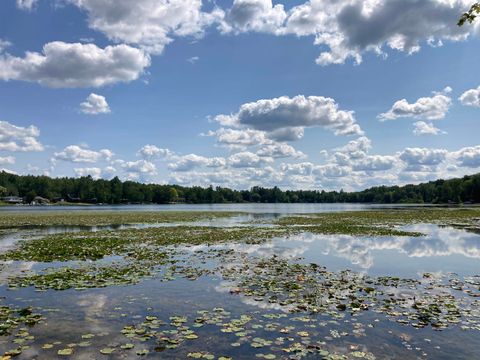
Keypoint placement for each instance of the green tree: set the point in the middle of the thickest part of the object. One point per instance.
(172, 194)
(470, 15)
(466, 189)
(30, 196)
(116, 190)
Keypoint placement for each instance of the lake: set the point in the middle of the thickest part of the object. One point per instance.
(286, 295)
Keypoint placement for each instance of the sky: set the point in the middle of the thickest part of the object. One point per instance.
(319, 94)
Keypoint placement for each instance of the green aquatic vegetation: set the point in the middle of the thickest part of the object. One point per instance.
(170, 338)
(163, 263)
(342, 228)
(275, 341)
(65, 352)
(107, 351)
(11, 319)
(313, 289)
(16, 322)
(103, 218)
(12, 353)
(142, 352)
(96, 245)
(295, 299)
(200, 355)
(92, 276)
(381, 222)
(64, 247)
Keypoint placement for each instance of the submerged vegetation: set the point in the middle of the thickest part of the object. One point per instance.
(84, 277)
(313, 289)
(267, 306)
(143, 244)
(102, 218)
(383, 223)
(88, 190)
(16, 322)
(387, 218)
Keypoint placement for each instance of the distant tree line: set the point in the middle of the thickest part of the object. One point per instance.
(88, 190)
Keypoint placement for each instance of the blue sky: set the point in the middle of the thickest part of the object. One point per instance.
(240, 93)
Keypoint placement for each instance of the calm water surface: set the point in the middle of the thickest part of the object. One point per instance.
(104, 312)
(251, 208)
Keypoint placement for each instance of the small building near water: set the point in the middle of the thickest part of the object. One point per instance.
(38, 200)
(13, 199)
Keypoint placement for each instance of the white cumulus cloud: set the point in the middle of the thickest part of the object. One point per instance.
(7, 160)
(4, 44)
(289, 114)
(423, 128)
(18, 138)
(356, 149)
(280, 150)
(152, 151)
(331, 171)
(77, 154)
(349, 29)
(150, 24)
(255, 16)
(423, 156)
(468, 156)
(65, 65)
(94, 172)
(26, 4)
(429, 108)
(95, 104)
(303, 168)
(191, 161)
(471, 97)
(139, 167)
(239, 138)
(246, 159)
(375, 163)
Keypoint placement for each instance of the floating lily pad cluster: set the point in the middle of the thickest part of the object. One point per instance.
(277, 342)
(135, 243)
(313, 289)
(93, 276)
(17, 322)
(143, 253)
(381, 222)
(12, 318)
